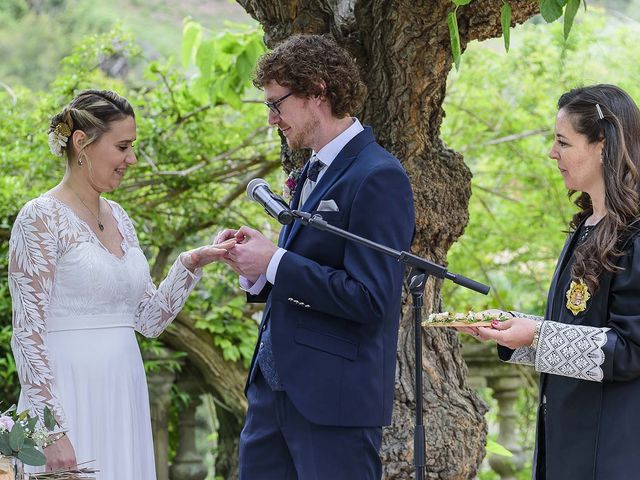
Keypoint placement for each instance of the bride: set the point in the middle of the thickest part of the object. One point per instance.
(80, 287)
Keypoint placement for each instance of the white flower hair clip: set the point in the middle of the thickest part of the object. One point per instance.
(58, 138)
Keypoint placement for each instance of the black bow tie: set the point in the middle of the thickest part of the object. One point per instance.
(314, 170)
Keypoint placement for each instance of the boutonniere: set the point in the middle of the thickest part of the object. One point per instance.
(291, 183)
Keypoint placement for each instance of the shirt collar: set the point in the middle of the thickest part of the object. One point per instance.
(330, 151)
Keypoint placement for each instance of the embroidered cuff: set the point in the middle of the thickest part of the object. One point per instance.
(571, 350)
(523, 356)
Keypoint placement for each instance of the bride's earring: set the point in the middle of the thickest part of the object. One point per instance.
(81, 159)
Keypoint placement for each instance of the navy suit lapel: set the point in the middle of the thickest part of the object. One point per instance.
(286, 230)
(342, 162)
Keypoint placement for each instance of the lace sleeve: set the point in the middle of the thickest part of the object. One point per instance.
(523, 356)
(159, 306)
(33, 252)
(571, 350)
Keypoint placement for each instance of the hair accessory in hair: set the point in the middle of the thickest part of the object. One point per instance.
(58, 138)
(600, 115)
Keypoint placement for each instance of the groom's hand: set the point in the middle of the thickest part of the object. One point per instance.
(250, 257)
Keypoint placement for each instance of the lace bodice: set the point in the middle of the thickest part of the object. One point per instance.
(61, 278)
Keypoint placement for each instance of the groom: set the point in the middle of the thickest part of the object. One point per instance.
(321, 382)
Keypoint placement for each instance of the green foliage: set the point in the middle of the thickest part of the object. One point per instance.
(36, 35)
(454, 36)
(497, 449)
(503, 124)
(550, 10)
(505, 22)
(23, 438)
(229, 319)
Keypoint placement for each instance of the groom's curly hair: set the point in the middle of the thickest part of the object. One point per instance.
(312, 65)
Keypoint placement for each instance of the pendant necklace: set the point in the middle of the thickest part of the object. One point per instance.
(97, 217)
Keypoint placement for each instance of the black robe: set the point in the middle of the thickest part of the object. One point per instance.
(591, 429)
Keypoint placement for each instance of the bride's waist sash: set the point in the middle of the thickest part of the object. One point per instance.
(60, 323)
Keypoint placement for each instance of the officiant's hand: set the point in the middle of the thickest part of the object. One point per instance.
(60, 454)
(199, 257)
(250, 257)
(513, 333)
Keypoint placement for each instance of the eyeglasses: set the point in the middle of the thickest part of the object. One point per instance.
(273, 106)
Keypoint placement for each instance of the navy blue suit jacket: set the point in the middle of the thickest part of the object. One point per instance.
(334, 307)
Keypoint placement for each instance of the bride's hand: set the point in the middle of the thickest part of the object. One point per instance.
(202, 256)
(60, 454)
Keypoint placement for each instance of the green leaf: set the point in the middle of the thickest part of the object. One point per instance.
(32, 456)
(244, 65)
(191, 35)
(497, 449)
(207, 53)
(16, 437)
(551, 10)
(454, 37)
(5, 448)
(505, 20)
(569, 15)
(49, 420)
(31, 423)
(458, 3)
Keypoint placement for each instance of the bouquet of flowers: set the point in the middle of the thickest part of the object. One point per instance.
(469, 319)
(21, 442)
(22, 438)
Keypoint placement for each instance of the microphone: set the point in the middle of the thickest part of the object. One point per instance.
(258, 190)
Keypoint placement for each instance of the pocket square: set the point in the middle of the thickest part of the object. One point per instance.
(328, 206)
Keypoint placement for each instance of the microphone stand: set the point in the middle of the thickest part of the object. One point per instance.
(420, 270)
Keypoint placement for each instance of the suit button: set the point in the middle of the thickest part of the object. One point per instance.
(264, 327)
(261, 344)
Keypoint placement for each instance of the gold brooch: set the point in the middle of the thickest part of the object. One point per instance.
(577, 297)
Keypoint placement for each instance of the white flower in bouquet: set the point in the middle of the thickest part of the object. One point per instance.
(6, 423)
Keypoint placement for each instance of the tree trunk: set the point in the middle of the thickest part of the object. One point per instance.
(223, 379)
(402, 48)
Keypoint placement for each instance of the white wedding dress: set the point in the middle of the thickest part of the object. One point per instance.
(75, 309)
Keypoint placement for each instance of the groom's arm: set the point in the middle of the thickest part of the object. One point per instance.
(369, 283)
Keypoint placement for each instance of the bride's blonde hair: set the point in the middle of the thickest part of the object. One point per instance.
(91, 111)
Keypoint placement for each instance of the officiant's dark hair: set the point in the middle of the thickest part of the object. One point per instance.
(606, 113)
(314, 65)
(91, 111)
